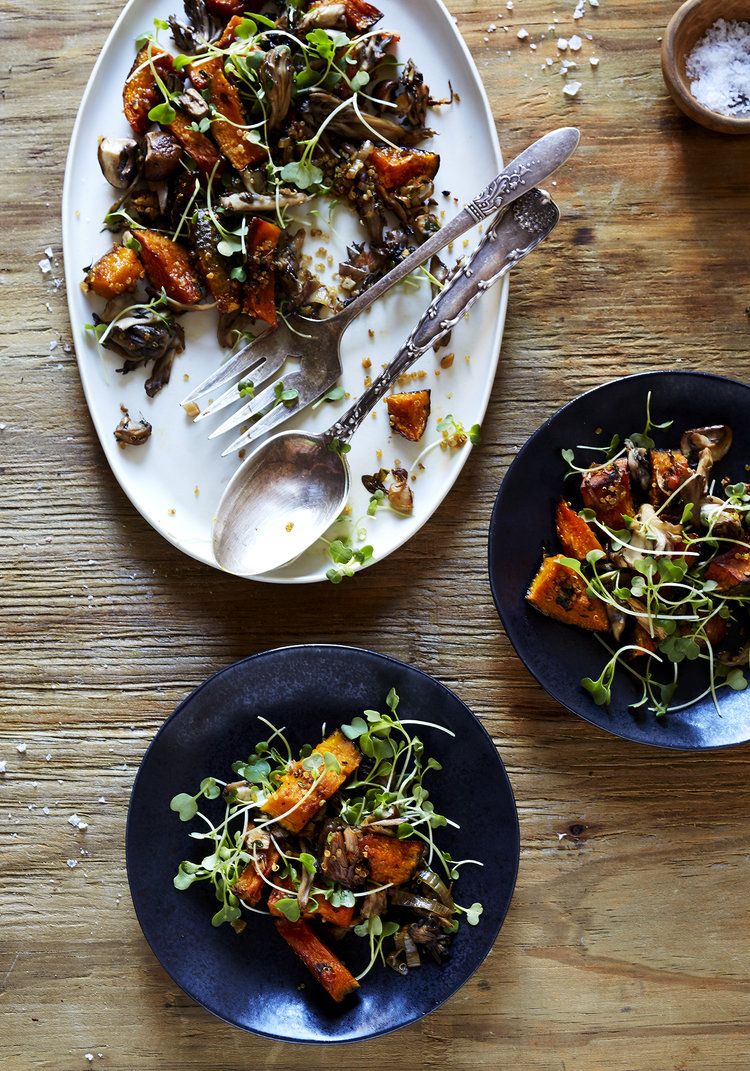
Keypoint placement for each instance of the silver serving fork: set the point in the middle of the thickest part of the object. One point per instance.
(513, 234)
(316, 342)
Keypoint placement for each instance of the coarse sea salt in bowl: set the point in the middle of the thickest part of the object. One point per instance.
(705, 60)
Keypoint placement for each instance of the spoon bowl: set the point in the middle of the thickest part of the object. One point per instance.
(282, 498)
(295, 484)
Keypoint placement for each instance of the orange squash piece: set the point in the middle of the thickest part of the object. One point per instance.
(214, 268)
(229, 131)
(575, 536)
(117, 272)
(390, 860)
(335, 978)
(396, 167)
(731, 568)
(302, 792)
(318, 907)
(141, 90)
(199, 148)
(408, 413)
(249, 886)
(260, 292)
(669, 469)
(560, 592)
(169, 266)
(607, 491)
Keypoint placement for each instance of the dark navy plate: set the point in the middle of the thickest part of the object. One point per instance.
(523, 526)
(253, 980)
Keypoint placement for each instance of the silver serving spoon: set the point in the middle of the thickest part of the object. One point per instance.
(295, 484)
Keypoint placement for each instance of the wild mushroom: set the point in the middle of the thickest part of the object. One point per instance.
(193, 103)
(717, 439)
(119, 161)
(277, 77)
(639, 466)
(400, 495)
(709, 444)
(163, 152)
(140, 334)
(326, 16)
(132, 432)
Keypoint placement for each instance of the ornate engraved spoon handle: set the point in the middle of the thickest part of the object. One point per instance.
(507, 241)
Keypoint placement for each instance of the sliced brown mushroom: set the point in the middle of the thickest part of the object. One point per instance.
(163, 152)
(639, 466)
(119, 161)
(132, 432)
(709, 444)
(193, 103)
(717, 439)
(400, 495)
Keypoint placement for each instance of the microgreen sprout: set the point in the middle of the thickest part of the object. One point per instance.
(656, 575)
(386, 794)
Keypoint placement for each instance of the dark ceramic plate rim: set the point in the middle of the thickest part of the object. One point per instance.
(316, 1020)
(548, 648)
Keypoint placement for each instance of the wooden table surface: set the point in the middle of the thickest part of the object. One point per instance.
(627, 942)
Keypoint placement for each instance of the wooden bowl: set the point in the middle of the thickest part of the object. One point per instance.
(686, 26)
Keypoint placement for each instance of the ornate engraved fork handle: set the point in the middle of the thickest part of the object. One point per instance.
(507, 241)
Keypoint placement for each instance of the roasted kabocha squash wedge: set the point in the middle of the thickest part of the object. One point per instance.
(408, 413)
(606, 490)
(575, 535)
(561, 592)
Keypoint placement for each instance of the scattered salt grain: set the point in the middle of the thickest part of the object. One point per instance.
(2, 765)
(594, 61)
(72, 863)
(575, 43)
(522, 35)
(45, 265)
(570, 89)
(562, 44)
(719, 67)
(21, 749)
(49, 252)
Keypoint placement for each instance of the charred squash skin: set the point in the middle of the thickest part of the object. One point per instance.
(607, 491)
(560, 592)
(731, 569)
(260, 291)
(215, 269)
(391, 861)
(318, 907)
(198, 147)
(228, 126)
(250, 884)
(396, 167)
(575, 536)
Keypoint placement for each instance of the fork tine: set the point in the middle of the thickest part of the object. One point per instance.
(247, 411)
(260, 373)
(272, 419)
(265, 348)
(277, 414)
